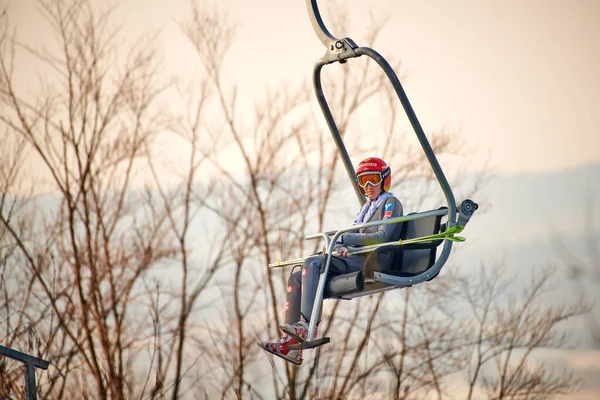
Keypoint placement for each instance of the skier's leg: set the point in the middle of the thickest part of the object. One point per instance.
(294, 297)
(311, 272)
(280, 348)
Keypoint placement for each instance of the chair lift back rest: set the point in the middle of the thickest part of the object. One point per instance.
(410, 259)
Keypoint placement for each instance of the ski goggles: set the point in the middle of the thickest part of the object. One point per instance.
(369, 178)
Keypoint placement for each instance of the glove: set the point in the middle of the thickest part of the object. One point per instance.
(341, 250)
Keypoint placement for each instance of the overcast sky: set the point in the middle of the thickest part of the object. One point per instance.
(519, 79)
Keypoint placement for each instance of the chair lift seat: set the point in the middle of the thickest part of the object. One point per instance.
(407, 260)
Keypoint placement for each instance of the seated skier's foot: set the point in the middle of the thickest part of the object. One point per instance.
(280, 349)
(298, 330)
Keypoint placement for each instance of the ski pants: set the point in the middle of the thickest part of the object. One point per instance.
(302, 285)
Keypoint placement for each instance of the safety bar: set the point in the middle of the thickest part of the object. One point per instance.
(424, 276)
(31, 364)
(465, 212)
(328, 240)
(390, 221)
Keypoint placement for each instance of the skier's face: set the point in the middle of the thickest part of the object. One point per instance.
(373, 191)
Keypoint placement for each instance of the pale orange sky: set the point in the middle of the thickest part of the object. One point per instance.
(518, 78)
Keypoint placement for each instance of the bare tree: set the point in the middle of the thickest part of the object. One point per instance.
(84, 256)
(113, 287)
(282, 195)
(422, 345)
(507, 329)
(583, 266)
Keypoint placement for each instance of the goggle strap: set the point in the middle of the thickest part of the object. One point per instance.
(386, 173)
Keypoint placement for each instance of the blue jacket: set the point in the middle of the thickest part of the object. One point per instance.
(390, 208)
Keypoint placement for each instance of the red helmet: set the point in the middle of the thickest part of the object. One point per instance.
(377, 165)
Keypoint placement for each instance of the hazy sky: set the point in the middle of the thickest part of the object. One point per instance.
(519, 79)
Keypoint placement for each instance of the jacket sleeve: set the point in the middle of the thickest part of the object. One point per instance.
(391, 208)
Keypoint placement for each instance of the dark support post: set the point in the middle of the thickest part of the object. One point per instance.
(335, 133)
(30, 382)
(31, 363)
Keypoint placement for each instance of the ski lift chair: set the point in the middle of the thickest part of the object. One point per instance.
(412, 258)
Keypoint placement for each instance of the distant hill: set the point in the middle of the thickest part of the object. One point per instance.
(526, 212)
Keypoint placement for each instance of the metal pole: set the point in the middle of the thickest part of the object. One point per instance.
(30, 382)
(317, 22)
(335, 133)
(31, 363)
